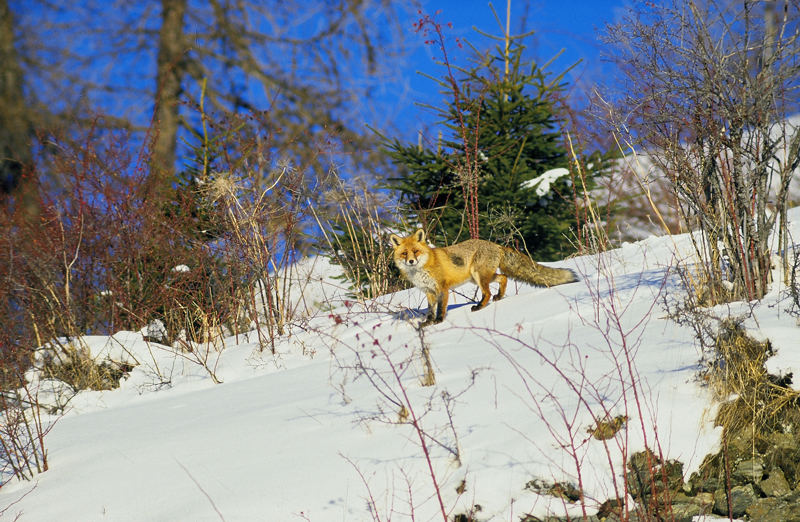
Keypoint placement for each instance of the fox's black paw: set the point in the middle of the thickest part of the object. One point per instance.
(429, 320)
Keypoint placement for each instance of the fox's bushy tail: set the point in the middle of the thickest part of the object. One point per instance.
(517, 265)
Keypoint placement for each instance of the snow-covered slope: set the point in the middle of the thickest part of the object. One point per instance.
(328, 427)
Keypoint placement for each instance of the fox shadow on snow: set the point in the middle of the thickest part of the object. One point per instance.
(407, 314)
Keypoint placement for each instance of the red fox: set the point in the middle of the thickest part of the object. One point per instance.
(437, 270)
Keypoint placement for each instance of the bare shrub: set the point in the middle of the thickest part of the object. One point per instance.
(588, 414)
(109, 253)
(23, 424)
(22, 433)
(403, 378)
(793, 281)
(262, 209)
(708, 89)
(355, 234)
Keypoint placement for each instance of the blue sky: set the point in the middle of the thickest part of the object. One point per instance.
(571, 25)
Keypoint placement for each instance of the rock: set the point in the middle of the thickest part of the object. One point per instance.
(681, 498)
(641, 467)
(701, 499)
(685, 507)
(750, 470)
(785, 457)
(708, 477)
(783, 440)
(706, 483)
(632, 516)
(793, 497)
(705, 499)
(564, 490)
(685, 512)
(774, 510)
(740, 498)
(646, 472)
(775, 485)
(674, 470)
(613, 510)
(531, 518)
(740, 445)
(609, 507)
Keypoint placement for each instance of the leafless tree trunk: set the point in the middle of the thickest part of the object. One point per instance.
(17, 175)
(709, 86)
(301, 66)
(171, 66)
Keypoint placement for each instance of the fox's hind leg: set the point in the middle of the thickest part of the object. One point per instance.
(503, 280)
(483, 280)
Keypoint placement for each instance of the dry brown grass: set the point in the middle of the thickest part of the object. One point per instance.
(762, 404)
(75, 366)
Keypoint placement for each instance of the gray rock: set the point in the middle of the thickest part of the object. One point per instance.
(686, 512)
(648, 475)
(783, 440)
(793, 497)
(740, 498)
(774, 510)
(775, 485)
(706, 500)
(707, 484)
(750, 470)
(686, 507)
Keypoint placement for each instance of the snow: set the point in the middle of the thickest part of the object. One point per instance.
(323, 425)
(543, 181)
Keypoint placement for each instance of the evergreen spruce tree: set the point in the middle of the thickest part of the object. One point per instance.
(500, 128)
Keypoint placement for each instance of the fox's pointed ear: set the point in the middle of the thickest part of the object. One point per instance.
(419, 235)
(395, 239)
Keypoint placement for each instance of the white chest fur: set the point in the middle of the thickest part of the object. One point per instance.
(420, 278)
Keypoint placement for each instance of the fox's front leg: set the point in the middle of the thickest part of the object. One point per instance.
(437, 307)
(431, 309)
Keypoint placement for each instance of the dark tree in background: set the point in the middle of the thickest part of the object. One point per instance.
(708, 91)
(500, 126)
(293, 61)
(142, 65)
(255, 56)
(17, 175)
(171, 63)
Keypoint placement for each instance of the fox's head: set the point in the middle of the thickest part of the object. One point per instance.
(410, 252)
